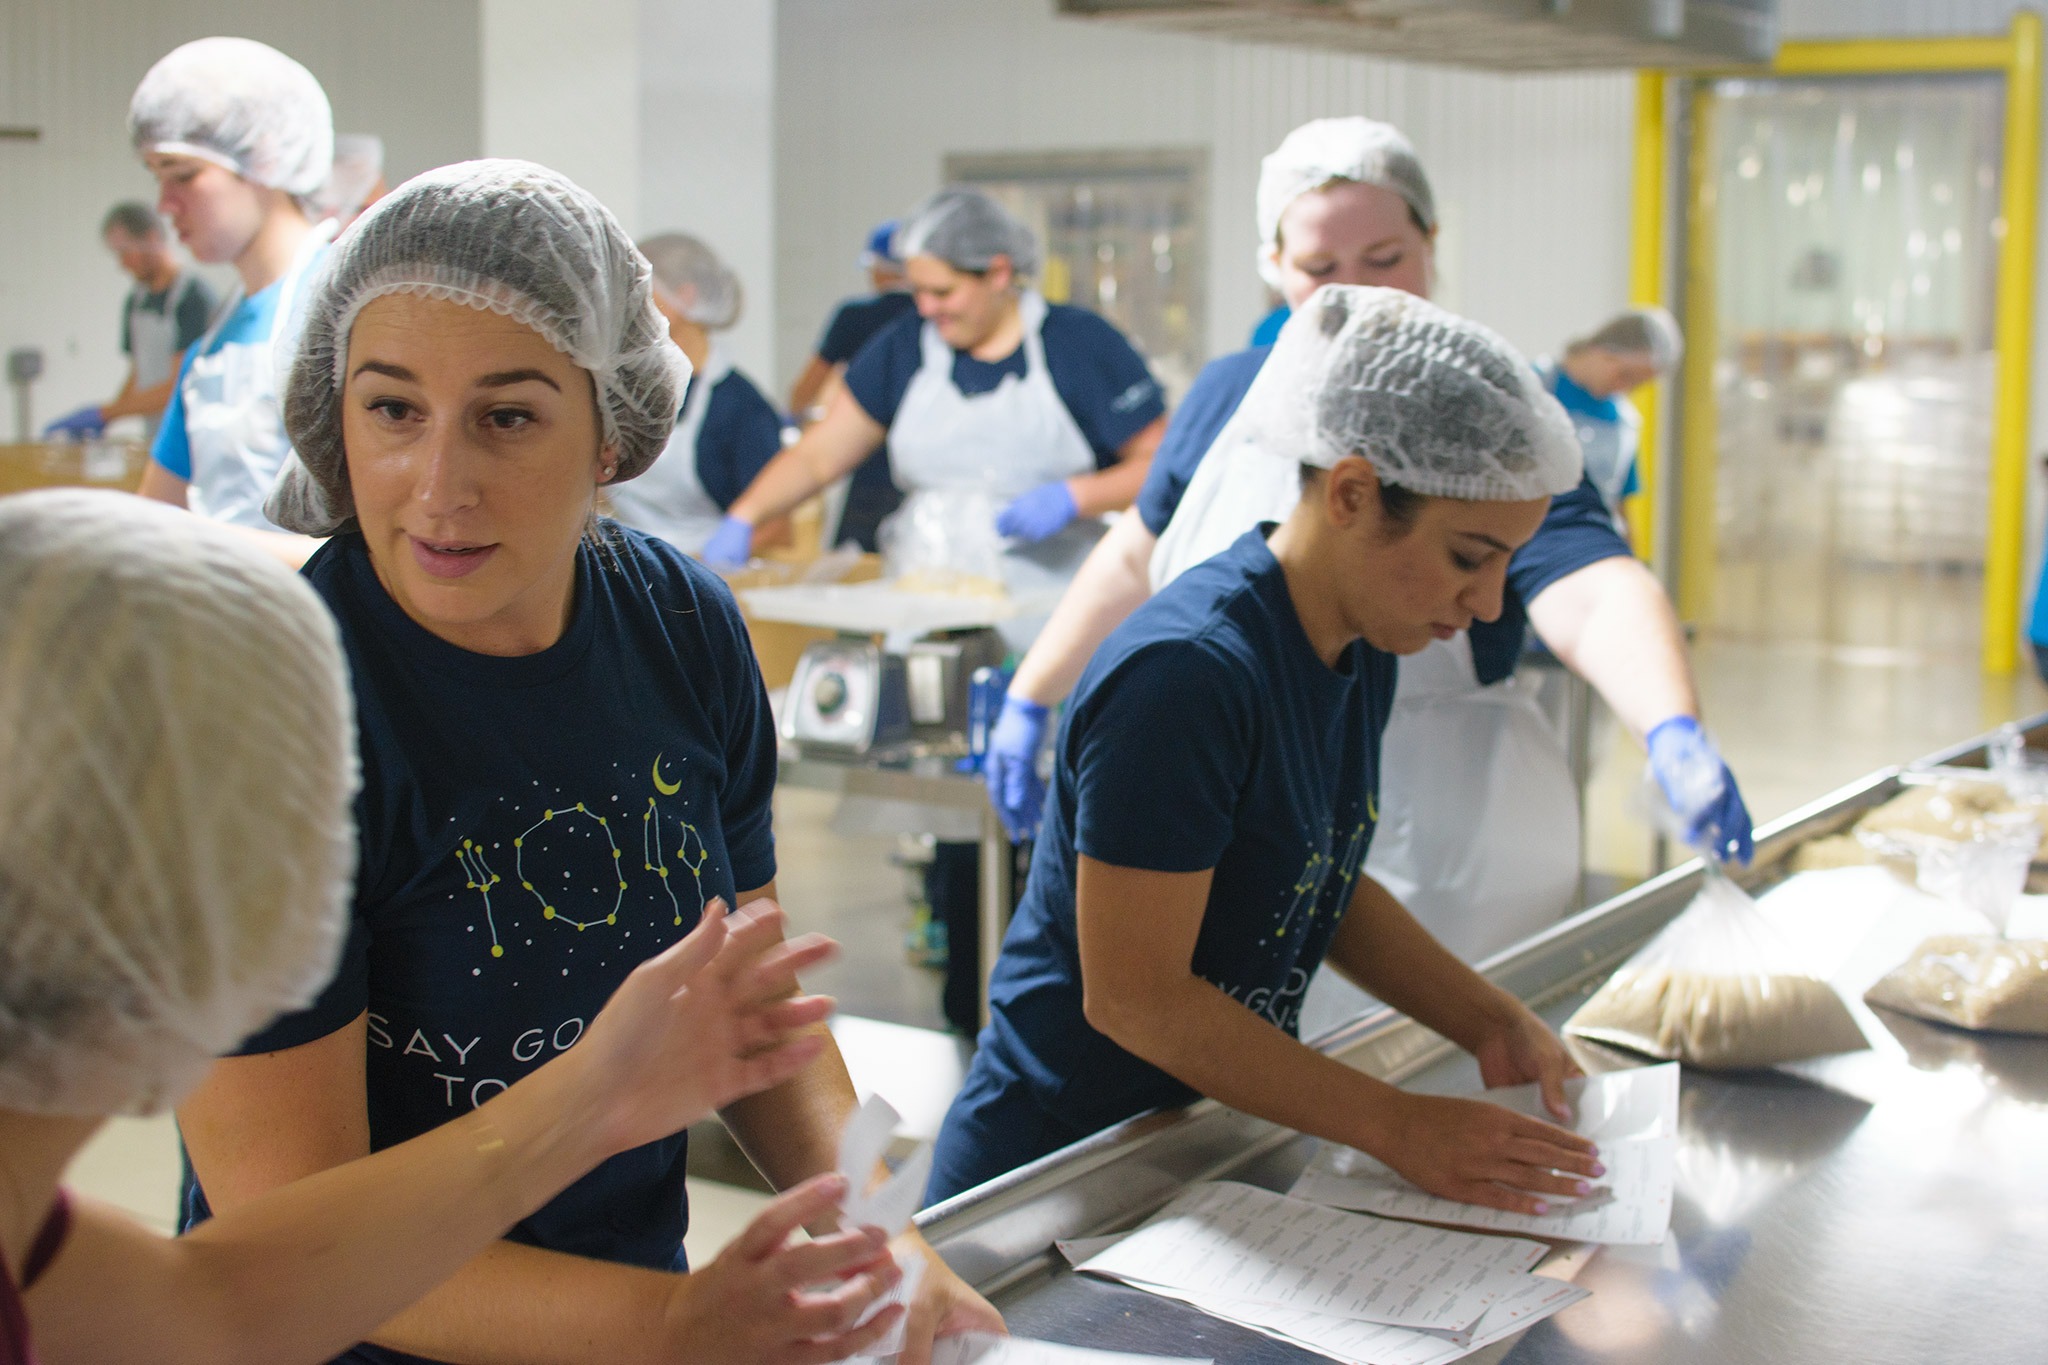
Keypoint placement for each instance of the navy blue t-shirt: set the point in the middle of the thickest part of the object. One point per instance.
(740, 435)
(1577, 530)
(855, 321)
(1205, 733)
(531, 829)
(1101, 379)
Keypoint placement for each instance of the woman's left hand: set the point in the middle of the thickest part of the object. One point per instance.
(1523, 1049)
(945, 1305)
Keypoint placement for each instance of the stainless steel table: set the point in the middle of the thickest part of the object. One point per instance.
(1897, 1213)
(929, 781)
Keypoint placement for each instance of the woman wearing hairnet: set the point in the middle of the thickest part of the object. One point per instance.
(1045, 405)
(1217, 776)
(240, 138)
(1593, 381)
(176, 765)
(567, 755)
(726, 432)
(1480, 832)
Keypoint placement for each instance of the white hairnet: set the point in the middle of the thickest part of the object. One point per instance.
(1650, 332)
(507, 236)
(1441, 406)
(240, 104)
(689, 277)
(176, 765)
(967, 230)
(358, 165)
(1326, 149)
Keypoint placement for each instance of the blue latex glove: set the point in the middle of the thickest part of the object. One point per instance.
(730, 545)
(1044, 511)
(1011, 770)
(1701, 790)
(83, 425)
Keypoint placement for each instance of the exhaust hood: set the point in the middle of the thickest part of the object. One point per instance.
(1499, 35)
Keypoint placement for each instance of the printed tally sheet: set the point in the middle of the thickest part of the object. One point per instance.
(1632, 1115)
(1352, 1287)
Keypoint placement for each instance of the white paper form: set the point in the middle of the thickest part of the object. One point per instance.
(1632, 1115)
(984, 1348)
(1241, 1242)
(887, 1206)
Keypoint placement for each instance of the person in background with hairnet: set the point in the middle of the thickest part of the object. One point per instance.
(1216, 784)
(870, 496)
(176, 765)
(1346, 200)
(165, 312)
(567, 756)
(1593, 381)
(240, 138)
(726, 432)
(1045, 406)
(356, 182)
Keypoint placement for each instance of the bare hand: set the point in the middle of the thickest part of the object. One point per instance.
(760, 1302)
(710, 1020)
(1525, 1050)
(1480, 1153)
(945, 1305)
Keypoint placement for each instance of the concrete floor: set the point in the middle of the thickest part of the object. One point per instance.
(1794, 722)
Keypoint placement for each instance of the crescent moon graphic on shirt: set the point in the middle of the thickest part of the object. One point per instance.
(665, 788)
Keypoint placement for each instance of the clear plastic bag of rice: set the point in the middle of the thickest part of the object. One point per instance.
(1973, 981)
(1721, 990)
(944, 540)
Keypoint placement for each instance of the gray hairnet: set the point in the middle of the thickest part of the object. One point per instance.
(507, 236)
(1326, 149)
(967, 230)
(176, 765)
(1440, 405)
(239, 104)
(1649, 332)
(689, 277)
(358, 165)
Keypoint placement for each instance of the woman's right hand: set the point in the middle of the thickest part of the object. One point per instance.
(1481, 1153)
(770, 1300)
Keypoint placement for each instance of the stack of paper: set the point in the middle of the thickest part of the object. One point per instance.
(1352, 1287)
(1632, 1115)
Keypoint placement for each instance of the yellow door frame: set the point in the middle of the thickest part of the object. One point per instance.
(2017, 57)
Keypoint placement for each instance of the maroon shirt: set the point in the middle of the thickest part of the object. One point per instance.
(14, 1346)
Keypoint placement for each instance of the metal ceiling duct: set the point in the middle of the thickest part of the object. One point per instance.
(1499, 35)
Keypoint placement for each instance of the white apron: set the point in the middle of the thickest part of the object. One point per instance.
(1610, 447)
(1005, 443)
(233, 422)
(153, 342)
(668, 498)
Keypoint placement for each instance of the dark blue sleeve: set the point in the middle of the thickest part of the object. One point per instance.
(1209, 403)
(1140, 798)
(740, 435)
(880, 373)
(195, 311)
(748, 797)
(844, 333)
(1577, 531)
(1103, 381)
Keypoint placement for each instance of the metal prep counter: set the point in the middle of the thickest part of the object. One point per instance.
(1898, 1213)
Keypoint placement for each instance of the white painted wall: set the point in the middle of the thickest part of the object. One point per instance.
(559, 87)
(401, 68)
(1531, 172)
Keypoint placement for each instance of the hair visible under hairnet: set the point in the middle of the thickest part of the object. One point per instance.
(967, 230)
(689, 277)
(176, 765)
(1356, 149)
(240, 104)
(507, 236)
(1649, 332)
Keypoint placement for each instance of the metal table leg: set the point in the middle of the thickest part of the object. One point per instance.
(995, 896)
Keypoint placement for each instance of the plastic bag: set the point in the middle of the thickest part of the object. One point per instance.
(944, 540)
(1719, 989)
(1972, 981)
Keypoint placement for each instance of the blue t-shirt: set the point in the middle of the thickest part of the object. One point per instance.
(1268, 330)
(531, 829)
(1205, 733)
(855, 321)
(1577, 530)
(740, 435)
(1100, 378)
(249, 323)
(1607, 411)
